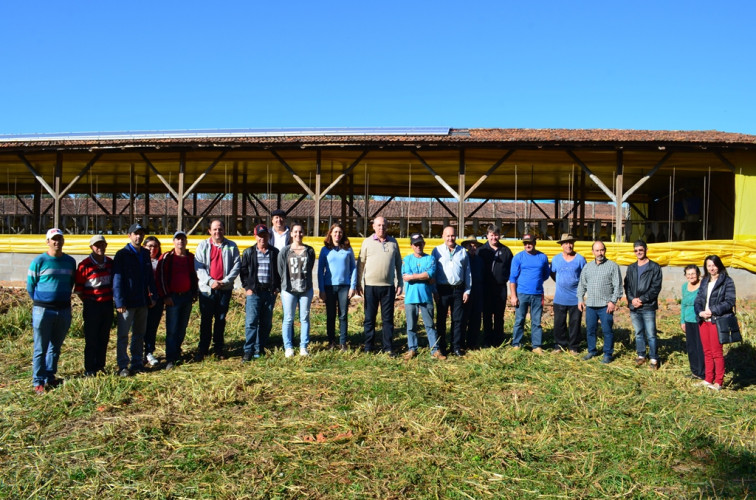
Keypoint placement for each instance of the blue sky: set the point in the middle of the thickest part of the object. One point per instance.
(114, 66)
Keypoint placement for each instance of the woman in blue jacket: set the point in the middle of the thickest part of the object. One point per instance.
(337, 280)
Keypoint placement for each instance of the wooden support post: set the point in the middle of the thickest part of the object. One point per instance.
(461, 196)
(234, 199)
(245, 227)
(132, 193)
(618, 234)
(316, 197)
(146, 219)
(180, 193)
(37, 213)
(56, 187)
(582, 203)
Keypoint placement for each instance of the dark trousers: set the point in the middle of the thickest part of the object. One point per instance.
(695, 350)
(567, 320)
(337, 299)
(213, 307)
(98, 320)
(449, 298)
(471, 324)
(494, 304)
(154, 315)
(375, 295)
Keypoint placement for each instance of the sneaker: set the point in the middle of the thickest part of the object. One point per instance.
(289, 352)
(199, 357)
(640, 360)
(589, 356)
(574, 352)
(39, 389)
(607, 359)
(170, 365)
(515, 348)
(714, 387)
(303, 351)
(537, 350)
(410, 354)
(437, 355)
(152, 360)
(702, 383)
(124, 372)
(343, 348)
(247, 356)
(653, 365)
(54, 381)
(556, 350)
(256, 355)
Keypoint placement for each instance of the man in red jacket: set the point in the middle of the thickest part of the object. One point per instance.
(177, 285)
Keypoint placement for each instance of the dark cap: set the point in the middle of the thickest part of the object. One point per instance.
(136, 227)
(416, 238)
(179, 234)
(261, 229)
(528, 238)
(279, 212)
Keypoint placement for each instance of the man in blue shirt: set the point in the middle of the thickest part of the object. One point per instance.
(49, 282)
(418, 270)
(530, 268)
(134, 292)
(453, 285)
(565, 271)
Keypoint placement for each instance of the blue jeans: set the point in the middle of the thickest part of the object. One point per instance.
(289, 301)
(50, 329)
(136, 316)
(644, 324)
(535, 303)
(337, 299)
(412, 311)
(258, 321)
(176, 321)
(592, 316)
(213, 306)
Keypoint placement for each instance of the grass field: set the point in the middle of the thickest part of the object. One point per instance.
(497, 423)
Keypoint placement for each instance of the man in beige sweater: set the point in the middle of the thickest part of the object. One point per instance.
(379, 281)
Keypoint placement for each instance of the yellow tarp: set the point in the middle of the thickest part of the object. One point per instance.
(745, 203)
(738, 254)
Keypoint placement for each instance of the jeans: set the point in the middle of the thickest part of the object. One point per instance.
(50, 329)
(176, 321)
(567, 333)
(644, 324)
(258, 321)
(213, 306)
(535, 304)
(494, 304)
(412, 311)
(592, 316)
(289, 301)
(337, 296)
(695, 350)
(98, 320)
(375, 295)
(136, 316)
(713, 357)
(450, 297)
(154, 315)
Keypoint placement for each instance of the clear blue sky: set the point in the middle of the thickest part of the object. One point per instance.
(112, 66)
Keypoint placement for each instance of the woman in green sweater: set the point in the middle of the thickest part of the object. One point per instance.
(689, 321)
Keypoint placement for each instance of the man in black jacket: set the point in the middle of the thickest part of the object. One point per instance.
(261, 281)
(643, 282)
(497, 260)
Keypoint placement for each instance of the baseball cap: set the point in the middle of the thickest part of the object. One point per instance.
(96, 239)
(261, 229)
(53, 232)
(416, 238)
(136, 227)
(279, 212)
(528, 238)
(179, 234)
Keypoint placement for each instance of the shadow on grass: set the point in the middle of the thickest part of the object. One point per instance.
(727, 472)
(740, 361)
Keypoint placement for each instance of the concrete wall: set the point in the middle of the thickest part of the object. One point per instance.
(13, 267)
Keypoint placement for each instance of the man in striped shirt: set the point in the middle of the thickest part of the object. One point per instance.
(94, 286)
(602, 282)
(49, 282)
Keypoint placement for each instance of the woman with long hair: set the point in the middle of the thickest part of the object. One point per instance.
(295, 264)
(715, 298)
(689, 321)
(337, 279)
(155, 313)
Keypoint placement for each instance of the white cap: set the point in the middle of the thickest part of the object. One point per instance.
(53, 232)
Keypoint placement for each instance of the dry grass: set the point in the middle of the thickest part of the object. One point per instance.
(498, 423)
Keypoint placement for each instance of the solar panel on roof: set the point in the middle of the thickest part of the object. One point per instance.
(253, 132)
